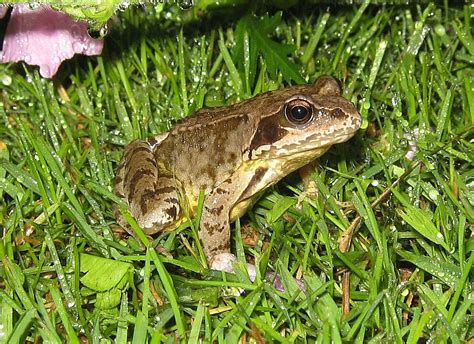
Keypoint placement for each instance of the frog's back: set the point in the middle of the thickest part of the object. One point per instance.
(205, 149)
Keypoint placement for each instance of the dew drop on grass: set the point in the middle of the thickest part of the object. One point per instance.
(433, 194)
(395, 100)
(6, 80)
(123, 6)
(440, 30)
(366, 104)
(104, 30)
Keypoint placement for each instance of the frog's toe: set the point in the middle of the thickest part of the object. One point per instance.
(223, 262)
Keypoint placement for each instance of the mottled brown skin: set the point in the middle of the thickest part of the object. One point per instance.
(232, 153)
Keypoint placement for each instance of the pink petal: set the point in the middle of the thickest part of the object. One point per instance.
(45, 38)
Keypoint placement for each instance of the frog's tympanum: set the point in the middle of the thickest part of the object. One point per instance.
(231, 153)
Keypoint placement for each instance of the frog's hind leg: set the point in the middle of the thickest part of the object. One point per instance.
(150, 194)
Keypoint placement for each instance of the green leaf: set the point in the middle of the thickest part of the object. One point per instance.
(22, 326)
(279, 208)
(63, 314)
(198, 317)
(140, 329)
(275, 54)
(103, 274)
(444, 271)
(4, 155)
(108, 299)
(418, 219)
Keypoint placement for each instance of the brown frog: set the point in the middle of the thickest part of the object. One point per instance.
(232, 153)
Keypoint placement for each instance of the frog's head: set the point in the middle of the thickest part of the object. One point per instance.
(300, 123)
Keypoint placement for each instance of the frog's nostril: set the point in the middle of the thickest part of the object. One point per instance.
(338, 113)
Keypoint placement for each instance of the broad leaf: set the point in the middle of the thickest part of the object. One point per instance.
(275, 54)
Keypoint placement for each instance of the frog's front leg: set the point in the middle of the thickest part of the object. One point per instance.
(214, 229)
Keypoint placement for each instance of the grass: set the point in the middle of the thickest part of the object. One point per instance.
(69, 274)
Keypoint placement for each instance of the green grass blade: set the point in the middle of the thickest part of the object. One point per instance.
(64, 315)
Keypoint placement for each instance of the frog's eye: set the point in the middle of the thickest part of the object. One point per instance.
(298, 111)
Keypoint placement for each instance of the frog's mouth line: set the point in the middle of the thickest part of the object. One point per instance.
(295, 148)
(321, 143)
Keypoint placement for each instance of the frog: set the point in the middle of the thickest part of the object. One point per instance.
(230, 154)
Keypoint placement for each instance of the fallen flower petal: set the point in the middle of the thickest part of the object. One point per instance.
(45, 38)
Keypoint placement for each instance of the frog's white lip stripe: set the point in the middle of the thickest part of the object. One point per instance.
(289, 149)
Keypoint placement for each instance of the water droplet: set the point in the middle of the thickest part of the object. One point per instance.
(71, 304)
(6, 80)
(34, 5)
(186, 4)
(123, 6)
(440, 30)
(433, 194)
(104, 30)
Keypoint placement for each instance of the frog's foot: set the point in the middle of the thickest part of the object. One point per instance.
(225, 262)
(312, 193)
(310, 189)
(345, 205)
(304, 195)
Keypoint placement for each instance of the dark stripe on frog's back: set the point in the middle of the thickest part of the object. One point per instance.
(205, 155)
